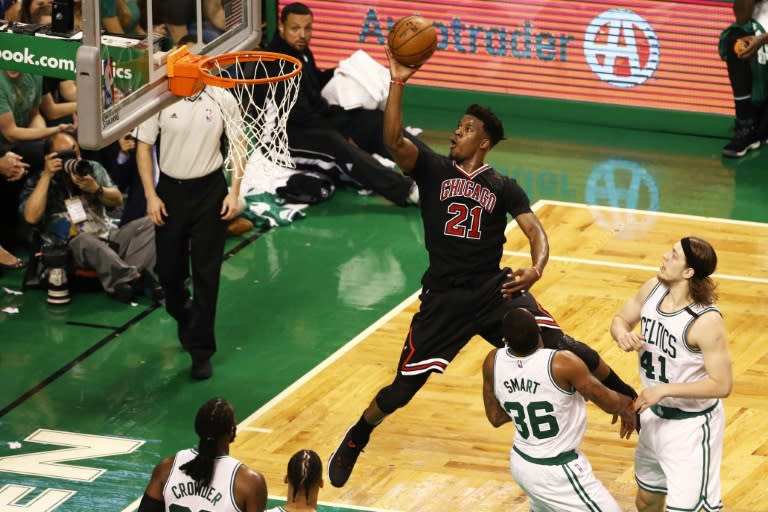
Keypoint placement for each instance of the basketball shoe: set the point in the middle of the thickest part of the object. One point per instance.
(744, 138)
(343, 459)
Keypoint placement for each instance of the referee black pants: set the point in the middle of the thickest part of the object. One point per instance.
(192, 239)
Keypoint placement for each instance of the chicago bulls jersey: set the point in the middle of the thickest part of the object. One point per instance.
(464, 216)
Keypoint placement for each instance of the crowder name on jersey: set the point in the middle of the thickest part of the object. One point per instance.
(196, 489)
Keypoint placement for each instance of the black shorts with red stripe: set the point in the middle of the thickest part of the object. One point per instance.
(449, 318)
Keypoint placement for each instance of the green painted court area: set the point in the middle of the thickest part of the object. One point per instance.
(93, 394)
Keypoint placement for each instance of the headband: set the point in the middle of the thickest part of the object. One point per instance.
(692, 260)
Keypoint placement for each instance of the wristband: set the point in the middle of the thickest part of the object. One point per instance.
(397, 82)
(99, 191)
(537, 272)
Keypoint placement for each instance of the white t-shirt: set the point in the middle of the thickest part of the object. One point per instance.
(191, 132)
(760, 14)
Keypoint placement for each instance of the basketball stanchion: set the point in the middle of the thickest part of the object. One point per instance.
(266, 86)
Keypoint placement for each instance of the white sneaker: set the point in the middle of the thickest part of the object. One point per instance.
(413, 196)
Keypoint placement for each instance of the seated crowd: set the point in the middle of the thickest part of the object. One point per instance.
(93, 202)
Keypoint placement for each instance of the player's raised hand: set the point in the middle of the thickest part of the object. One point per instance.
(398, 71)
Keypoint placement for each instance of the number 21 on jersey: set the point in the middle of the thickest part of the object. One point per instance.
(465, 221)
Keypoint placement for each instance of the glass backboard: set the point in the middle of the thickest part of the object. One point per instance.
(122, 78)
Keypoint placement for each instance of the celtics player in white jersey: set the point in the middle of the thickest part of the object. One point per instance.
(543, 391)
(685, 368)
(206, 479)
(304, 478)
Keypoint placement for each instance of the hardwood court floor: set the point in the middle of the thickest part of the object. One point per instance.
(439, 453)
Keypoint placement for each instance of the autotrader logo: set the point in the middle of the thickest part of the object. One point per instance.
(622, 48)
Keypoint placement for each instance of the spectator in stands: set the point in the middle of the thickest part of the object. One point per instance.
(304, 478)
(110, 21)
(22, 130)
(129, 13)
(9, 9)
(21, 124)
(13, 170)
(748, 77)
(22, 10)
(180, 18)
(68, 197)
(350, 136)
(119, 158)
(59, 101)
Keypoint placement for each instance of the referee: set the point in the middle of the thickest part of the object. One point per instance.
(190, 209)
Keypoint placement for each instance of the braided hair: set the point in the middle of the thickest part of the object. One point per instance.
(305, 470)
(216, 418)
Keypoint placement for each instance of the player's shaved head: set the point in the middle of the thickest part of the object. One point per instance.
(521, 332)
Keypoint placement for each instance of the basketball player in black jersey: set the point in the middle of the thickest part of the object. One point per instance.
(464, 207)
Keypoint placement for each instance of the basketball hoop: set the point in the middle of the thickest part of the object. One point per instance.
(265, 85)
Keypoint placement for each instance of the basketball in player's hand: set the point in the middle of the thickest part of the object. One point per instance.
(412, 41)
(740, 46)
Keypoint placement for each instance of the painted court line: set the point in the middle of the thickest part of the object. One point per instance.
(615, 209)
(615, 264)
(244, 424)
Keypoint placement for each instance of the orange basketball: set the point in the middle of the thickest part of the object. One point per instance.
(739, 47)
(412, 41)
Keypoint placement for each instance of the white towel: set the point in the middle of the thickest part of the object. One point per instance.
(358, 82)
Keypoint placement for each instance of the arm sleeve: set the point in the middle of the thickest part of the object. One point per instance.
(147, 131)
(149, 504)
(515, 199)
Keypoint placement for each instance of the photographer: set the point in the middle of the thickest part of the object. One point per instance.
(68, 199)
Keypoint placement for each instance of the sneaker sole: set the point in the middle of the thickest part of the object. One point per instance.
(330, 461)
(739, 154)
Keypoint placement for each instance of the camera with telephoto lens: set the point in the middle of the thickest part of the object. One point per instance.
(74, 165)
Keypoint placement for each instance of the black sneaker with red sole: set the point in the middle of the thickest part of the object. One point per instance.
(343, 460)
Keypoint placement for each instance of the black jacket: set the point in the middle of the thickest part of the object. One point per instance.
(311, 109)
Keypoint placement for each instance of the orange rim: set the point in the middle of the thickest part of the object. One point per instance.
(227, 59)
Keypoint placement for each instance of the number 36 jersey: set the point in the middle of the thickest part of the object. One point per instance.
(666, 356)
(464, 216)
(550, 420)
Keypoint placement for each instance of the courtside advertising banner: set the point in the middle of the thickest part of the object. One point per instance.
(643, 53)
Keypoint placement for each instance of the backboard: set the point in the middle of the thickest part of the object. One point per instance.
(122, 79)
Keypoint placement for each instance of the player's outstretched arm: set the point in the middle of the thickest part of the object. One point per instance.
(570, 372)
(403, 150)
(493, 411)
(628, 317)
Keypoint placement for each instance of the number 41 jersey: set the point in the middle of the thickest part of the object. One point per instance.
(549, 420)
(464, 216)
(666, 355)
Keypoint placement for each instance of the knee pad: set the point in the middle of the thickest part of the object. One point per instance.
(586, 353)
(399, 393)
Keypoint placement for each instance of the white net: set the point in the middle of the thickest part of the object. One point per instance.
(265, 87)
